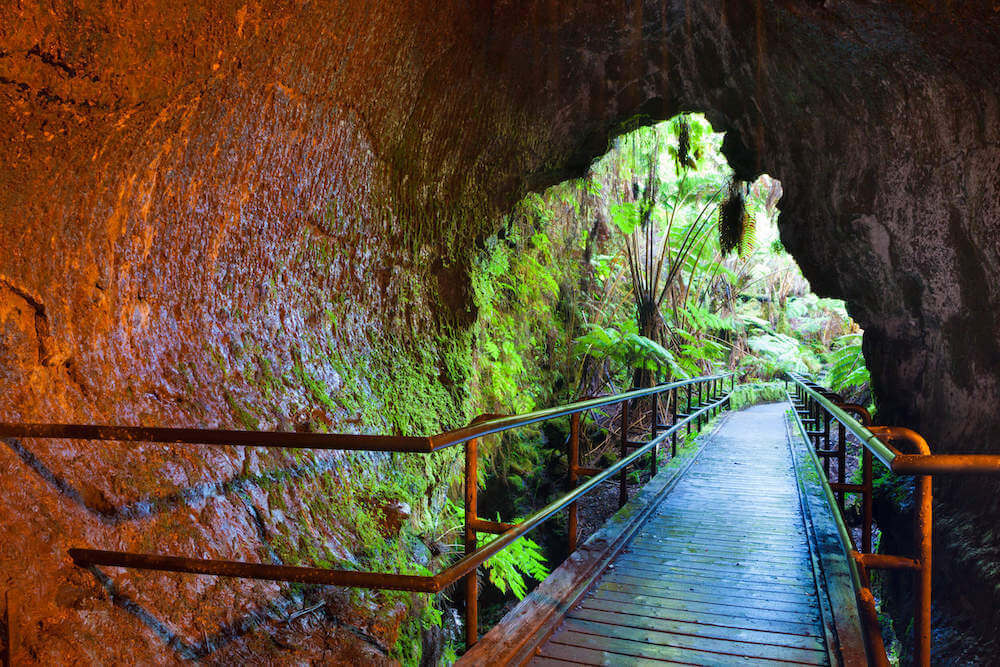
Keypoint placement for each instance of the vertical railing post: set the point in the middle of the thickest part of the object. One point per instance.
(471, 537)
(653, 430)
(841, 461)
(827, 418)
(814, 415)
(623, 451)
(866, 498)
(8, 622)
(922, 613)
(673, 421)
(698, 420)
(687, 410)
(574, 463)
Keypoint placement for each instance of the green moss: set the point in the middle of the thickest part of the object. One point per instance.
(242, 414)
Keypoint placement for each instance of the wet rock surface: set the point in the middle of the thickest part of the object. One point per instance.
(205, 211)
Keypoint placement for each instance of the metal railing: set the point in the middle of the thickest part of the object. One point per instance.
(815, 411)
(711, 398)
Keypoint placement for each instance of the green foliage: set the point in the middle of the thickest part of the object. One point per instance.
(517, 293)
(745, 395)
(625, 216)
(508, 568)
(626, 347)
(848, 364)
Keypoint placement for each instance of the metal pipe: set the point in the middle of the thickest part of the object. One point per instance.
(574, 462)
(222, 437)
(228, 568)
(877, 655)
(868, 439)
(471, 539)
(885, 561)
(917, 464)
(868, 499)
(841, 460)
(487, 427)
(623, 475)
(687, 410)
(673, 421)
(494, 527)
(343, 441)
(653, 429)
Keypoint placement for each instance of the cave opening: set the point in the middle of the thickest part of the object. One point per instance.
(653, 208)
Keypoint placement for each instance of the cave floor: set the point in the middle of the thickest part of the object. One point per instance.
(727, 570)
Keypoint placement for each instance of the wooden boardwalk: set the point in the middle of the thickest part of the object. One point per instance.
(723, 572)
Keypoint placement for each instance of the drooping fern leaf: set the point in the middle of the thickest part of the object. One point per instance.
(737, 226)
(748, 239)
(731, 214)
(848, 369)
(684, 159)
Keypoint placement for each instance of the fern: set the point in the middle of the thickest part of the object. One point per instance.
(848, 368)
(508, 567)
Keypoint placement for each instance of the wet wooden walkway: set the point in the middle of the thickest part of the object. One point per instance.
(723, 572)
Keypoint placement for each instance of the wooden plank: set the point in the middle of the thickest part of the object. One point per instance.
(520, 631)
(720, 550)
(749, 619)
(572, 654)
(630, 650)
(712, 586)
(696, 629)
(677, 552)
(695, 595)
(706, 644)
(541, 661)
(744, 570)
(729, 539)
(697, 581)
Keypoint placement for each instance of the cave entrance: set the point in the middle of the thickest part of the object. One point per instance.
(655, 265)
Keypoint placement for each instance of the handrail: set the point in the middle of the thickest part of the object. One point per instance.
(877, 441)
(883, 453)
(333, 441)
(457, 436)
(484, 425)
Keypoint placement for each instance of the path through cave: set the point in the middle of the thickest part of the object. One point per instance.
(228, 216)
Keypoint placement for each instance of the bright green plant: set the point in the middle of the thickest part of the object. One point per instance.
(848, 368)
(508, 568)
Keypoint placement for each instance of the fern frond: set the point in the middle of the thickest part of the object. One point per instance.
(732, 211)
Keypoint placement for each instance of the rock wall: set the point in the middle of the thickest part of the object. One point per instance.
(219, 216)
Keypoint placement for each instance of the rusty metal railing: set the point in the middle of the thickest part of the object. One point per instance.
(696, 411)
(819, 408)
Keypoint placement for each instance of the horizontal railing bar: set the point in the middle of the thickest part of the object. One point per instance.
(928, 464)
(886, 561)
(484, 553)
(867, 438)
(332, 441)
(847, 488)
(242, 570)
(505, 423)
(486, 526)
(350, 578)
(283, 439)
